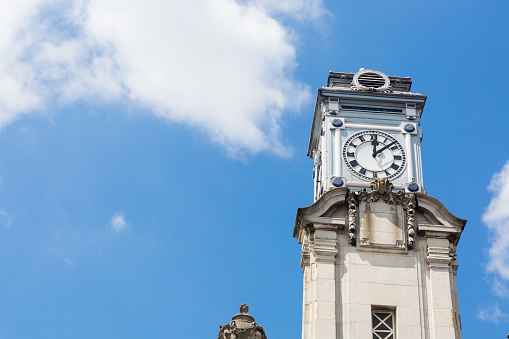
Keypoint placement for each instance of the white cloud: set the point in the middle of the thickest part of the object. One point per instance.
(118, 223)
(496, 218)
(298, 9)
(492, 313)
(221, 67)
(5, 219)
(498, 285)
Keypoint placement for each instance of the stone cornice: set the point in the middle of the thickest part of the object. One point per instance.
(314, 212)
(436, 208)
(440, 229)
(440, 222)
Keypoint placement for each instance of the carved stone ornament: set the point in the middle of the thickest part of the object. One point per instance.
(381, 190)
(352, 218)
(242, 326)
(409, 205)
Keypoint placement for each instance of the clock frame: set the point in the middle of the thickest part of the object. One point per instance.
(372, 154)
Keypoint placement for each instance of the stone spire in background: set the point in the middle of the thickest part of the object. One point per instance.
(242, 326)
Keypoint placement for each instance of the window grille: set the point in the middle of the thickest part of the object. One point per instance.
(383, 324)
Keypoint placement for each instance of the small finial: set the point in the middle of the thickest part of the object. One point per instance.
(243, 308)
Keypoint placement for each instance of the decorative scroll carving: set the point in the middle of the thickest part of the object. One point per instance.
(242, 326)
(352, 218)
(410, 204)
(381, 189)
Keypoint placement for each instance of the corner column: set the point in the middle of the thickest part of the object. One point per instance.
(305, 263)
(323, 286)
(441, 305)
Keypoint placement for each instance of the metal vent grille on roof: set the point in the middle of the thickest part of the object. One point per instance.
(371, 80)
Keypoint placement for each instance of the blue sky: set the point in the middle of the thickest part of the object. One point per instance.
(153, 156)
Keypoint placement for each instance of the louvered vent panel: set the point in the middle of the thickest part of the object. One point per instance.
(372, 80)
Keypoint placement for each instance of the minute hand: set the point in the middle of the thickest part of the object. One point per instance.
(383, 148)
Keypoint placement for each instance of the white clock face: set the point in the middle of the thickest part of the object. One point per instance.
(372, 155)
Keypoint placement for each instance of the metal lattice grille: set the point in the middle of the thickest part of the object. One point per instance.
(383, 324)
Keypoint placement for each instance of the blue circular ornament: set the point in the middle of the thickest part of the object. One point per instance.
(413, 187)
(409, 128)
(337, 123)
(338, 182)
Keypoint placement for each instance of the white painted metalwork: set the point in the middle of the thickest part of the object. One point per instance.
(337, 159)
(409, 150)
(378, 127)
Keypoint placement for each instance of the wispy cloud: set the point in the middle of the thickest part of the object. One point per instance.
(496, 218)
(492, 313)
(118, 223)
(5, 219)
(222, 67)
(304, 10)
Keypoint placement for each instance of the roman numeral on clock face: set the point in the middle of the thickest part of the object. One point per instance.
(361, 138)
(362, 171)
(350, 154)
(397, 157)
(375, 175)
(354, 163)
(394, 166)
(394, 148)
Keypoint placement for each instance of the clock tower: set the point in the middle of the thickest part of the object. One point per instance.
(366, 126)
(378, 253)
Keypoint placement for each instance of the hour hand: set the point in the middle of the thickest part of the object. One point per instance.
(384, 148)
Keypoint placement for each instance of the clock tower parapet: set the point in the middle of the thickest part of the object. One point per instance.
(366, 126)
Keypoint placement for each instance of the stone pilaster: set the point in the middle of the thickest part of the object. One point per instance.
(319, 313)
(441, 291)
(305, 263)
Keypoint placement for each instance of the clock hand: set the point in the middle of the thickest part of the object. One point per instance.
(384, 148)
(374, 143)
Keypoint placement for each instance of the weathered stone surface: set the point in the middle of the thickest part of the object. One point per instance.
(381, 224)
(343, 283)
(242, 326)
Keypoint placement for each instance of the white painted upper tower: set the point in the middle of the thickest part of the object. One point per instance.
(366, 126)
